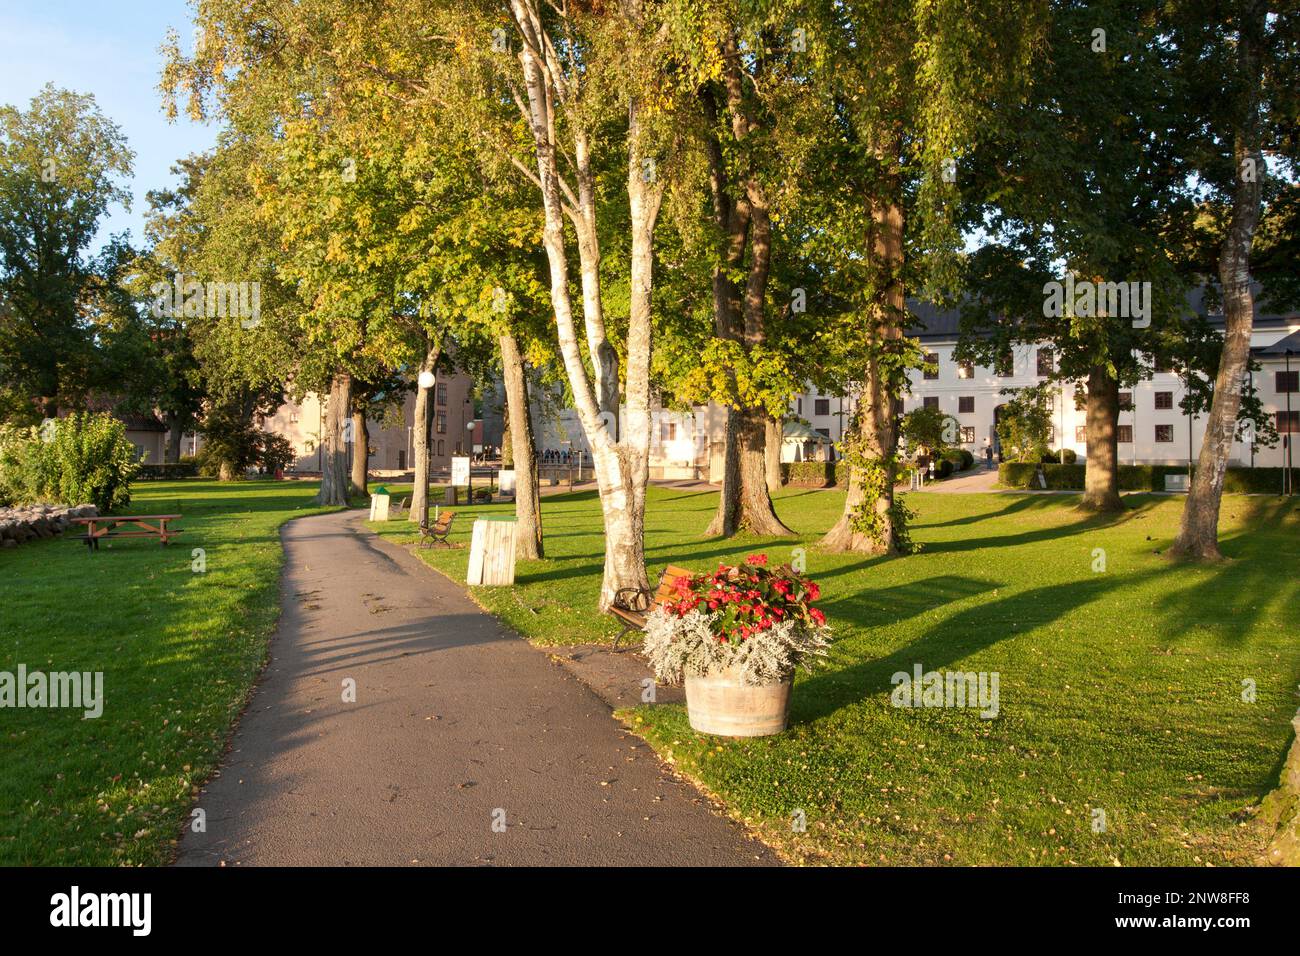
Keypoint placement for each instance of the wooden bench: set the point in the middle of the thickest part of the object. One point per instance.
(632, 605)
(429, 536)
(106, 526)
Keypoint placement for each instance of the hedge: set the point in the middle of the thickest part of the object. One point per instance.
(171, 469)
(1015, 474)
(815, 474)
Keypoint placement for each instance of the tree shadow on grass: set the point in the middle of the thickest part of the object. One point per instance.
(951, 640)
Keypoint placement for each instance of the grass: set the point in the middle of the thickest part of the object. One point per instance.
(179, 651)
(1121, 691)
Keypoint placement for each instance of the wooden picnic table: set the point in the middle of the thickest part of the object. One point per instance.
(106, 526)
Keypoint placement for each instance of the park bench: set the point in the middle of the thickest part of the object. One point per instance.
(107, 526)
(633, 605)
(429, 536)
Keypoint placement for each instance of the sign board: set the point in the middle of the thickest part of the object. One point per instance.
(492, 552)
(1175, 482)
(506, 482)
(460, 471)
(379, 507)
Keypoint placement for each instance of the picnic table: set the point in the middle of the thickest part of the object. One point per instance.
(106, 526)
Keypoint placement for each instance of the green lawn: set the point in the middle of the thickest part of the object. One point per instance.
(1119, 690)
(179, 651)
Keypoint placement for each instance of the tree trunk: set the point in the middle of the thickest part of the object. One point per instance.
(740, 212)
(507, 444)
(1101, 477)
(528, 502)
(421, 433)
(773, 452)
(621, 463)
(334, 459)
(1198, 536)
(360, 452)
(875, 421)
(174, 437)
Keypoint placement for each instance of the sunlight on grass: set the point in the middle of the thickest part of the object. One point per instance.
(1121, 691)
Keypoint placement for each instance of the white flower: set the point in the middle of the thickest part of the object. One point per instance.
(678, 646)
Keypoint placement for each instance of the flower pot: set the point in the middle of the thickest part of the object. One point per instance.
(720, 704)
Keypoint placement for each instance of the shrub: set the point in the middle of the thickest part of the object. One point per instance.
(276, 453)
(185, 468)
(967, 460)
(1138, 477)
(81, 458)
(1067, 456)
(942, 468)
(817, 474)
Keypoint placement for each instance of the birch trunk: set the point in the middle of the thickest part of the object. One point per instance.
(422, 431)
(621, 467)
(528, 502)
(334, 457)
(1198, 537)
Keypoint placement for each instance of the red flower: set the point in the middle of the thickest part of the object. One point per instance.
(818, 617)
(814, 592)
(757, 559)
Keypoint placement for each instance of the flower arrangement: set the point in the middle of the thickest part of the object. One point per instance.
(753, 620)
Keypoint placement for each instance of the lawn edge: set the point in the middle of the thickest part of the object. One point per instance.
(254, 684)
(716, 804)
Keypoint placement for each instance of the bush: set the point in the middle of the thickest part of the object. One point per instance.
(942, 468)
(816, 474)
(81, 458)
(1067, 456)
(275, 453)
(967, 460)
(185, 468)
(1237, 481)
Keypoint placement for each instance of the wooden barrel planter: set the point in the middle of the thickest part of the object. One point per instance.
(721, 705)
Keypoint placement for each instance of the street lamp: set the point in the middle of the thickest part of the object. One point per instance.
(469, 429)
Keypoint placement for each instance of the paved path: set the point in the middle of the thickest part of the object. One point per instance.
(455, 718)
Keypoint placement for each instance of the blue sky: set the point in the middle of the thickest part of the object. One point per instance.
(108, 48)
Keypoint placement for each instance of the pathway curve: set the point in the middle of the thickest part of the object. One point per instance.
(457, 723)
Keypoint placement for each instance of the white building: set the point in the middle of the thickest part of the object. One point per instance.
(1152, 428)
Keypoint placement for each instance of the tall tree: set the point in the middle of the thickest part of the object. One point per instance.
(1255, 45)
(60, 164)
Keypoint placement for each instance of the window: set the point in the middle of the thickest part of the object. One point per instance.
(966, 370)
(821, 406)
(401, 459)
(1164, 400)
(931, 401)
(966, 405)
(800, 412)
(1045, 366)
(1287, 382)
(1124, 434)
(441, 426)
(1164, 433)
(442, 393)
(668, 431)
(824, 432)
(1081, 434)
(931, 366)
(1006, 364)
(1288, 422)
(1126, 401)
(968, 434)
(441, 448)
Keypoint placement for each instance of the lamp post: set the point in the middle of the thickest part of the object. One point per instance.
(469, 447)
(1289, 482)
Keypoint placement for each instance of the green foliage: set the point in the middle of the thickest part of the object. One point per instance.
(1070, 477)
(929, 431)
(74, 460)
(276, 453)
(1025, 425)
